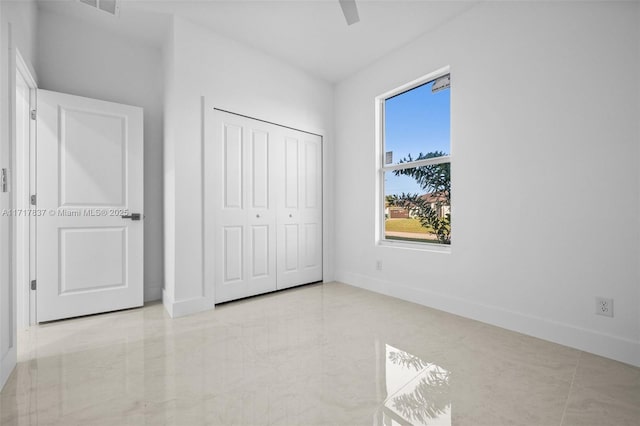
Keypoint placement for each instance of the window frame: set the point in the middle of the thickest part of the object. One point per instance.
(381, 167)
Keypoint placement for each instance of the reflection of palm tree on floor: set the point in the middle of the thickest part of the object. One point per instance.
(430, 397)
(407, 360)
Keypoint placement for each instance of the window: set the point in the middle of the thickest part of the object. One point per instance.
(415, 162)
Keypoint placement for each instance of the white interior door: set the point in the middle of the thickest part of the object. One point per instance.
(89, 175)
(241, 161)
(299, 209)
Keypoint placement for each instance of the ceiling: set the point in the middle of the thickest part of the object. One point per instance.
(311, 35)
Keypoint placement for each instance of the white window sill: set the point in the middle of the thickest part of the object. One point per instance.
(429, 247)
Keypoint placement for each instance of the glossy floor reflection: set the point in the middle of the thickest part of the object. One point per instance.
(417, 392)
(318, 355)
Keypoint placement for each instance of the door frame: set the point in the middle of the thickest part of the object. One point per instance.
(14, 59)
(23, 246)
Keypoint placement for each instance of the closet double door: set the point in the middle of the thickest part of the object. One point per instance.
(266, 189)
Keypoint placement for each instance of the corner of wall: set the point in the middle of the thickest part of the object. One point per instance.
(638, 142)
(168, 172)
(7, 365)
(181, 308)
(152, 292)
(167, 302)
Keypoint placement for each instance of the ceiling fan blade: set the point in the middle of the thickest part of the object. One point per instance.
(350, 11)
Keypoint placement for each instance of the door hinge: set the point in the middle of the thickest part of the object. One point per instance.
(4, 180)
(33, 284)
(34, 200)
(33, 114)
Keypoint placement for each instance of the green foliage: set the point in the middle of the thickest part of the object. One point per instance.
(435, 180)
(427, 215)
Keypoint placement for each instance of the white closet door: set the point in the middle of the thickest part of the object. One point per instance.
(299, 209)
(263, 206)
(240, 161)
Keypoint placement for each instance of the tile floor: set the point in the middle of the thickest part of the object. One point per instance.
(318, 355)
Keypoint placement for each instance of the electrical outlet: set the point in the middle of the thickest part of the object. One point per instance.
(379, 265)
(604, 306)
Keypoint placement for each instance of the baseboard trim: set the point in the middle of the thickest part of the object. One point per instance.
(619, 349)
(181, 308)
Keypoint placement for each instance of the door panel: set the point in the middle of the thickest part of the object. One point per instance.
(89, 174)
(312, 216)
(291, 247)
(92, 259)
(311, 173)
(233, 254)
(233, 193)
(260, 170)
(260, 253)
(95, 142)
(291, 177)
(302, 260)
(244, 229)
(311, 258)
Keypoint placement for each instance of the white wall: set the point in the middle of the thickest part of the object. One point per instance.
(545, 105)
(85, 60)
(17, 30)
(234, 77)
(169, 124)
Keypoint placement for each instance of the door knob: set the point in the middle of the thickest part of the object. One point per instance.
(132, 216)
(258, 216)
(290, 215)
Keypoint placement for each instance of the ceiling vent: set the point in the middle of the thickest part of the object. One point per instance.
(109, 6)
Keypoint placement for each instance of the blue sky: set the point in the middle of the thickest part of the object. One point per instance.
(415, 121)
